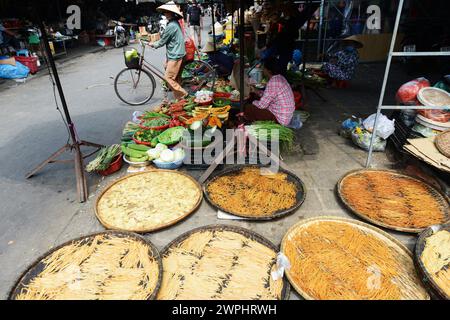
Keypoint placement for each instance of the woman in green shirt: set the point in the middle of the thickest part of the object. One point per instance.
(173, 39)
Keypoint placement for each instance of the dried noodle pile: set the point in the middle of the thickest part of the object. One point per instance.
(250, 194)
(148, 201)
(436, 259)
(333, 260)
(394, 200)
(108, 268)
(219, 265)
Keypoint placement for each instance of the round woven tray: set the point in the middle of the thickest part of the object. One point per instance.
(327, 266)
(76, 285)
(291, 177)
(396, 196)
(234, 274)
(427, 277)
(443, 143)
(165, 212)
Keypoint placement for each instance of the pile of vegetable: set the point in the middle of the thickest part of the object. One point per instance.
(155, 123)
(204, 96)
(104, 158)
(145, 136)
(135, 152)
(310, 79)
(225, 89)
(264, 130)
(139, 153)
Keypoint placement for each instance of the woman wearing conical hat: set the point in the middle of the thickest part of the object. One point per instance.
(173, 39)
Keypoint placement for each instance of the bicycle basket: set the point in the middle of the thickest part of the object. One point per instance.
(132, 58)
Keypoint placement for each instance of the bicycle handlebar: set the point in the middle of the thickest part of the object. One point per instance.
(145, 43)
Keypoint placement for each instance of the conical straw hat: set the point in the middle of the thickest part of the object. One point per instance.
(354, 40)
(171, 7)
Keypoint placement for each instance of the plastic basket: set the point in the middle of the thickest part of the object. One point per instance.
(133, 63)
(30, 62)
(168, 165)
(115, 166)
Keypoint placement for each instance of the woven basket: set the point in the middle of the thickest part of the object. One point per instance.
(324, 257)
(220, 262)
(429, 278)
(58, 275)
(391, 195)
(291, 177)
(154, 195)
(443, 143)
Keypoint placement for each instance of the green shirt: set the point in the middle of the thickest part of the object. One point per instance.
(174, 40)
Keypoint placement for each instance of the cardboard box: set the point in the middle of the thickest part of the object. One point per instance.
(376, 46)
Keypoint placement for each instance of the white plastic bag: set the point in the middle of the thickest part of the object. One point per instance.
(385, 127)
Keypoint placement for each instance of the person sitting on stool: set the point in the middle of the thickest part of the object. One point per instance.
(342, 63)
(277, 102)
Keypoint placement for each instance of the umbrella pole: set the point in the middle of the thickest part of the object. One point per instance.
(241, 53)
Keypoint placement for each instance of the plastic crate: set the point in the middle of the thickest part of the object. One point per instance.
(30, 62)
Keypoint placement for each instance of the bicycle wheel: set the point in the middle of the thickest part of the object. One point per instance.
(197, 74)
(135, 86)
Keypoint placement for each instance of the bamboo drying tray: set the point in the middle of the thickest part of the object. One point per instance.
(440, 287)
(290, 178)
(148, 201)
(220, 262)
(443, 143)
(95, 267)
(333, 258)
(394, 196)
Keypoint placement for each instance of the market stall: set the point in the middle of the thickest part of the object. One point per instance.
(322, 258)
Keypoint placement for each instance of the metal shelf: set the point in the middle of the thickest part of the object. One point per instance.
(421, 54)
(386, 77)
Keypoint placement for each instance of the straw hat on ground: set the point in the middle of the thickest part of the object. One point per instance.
(353, 40)
(171, 7)
(208, 48)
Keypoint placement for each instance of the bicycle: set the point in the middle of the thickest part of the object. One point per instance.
(136, 84)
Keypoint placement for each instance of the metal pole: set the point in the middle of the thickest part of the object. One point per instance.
(55, 74)
(305, 43)
(385, 80)
(319, 42)
(325, 33)
(241, 53)
(78, 159)
(213, 21)
(232, 21)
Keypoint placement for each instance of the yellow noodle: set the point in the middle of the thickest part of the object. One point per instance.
(108, 267)
(394, 200)
(334, 260)
(219, 265)
(148, 201)
(251, 194)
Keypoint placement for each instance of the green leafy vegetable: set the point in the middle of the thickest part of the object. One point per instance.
(104, 158)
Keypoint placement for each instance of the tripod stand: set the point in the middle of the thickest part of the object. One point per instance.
(75, 143)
